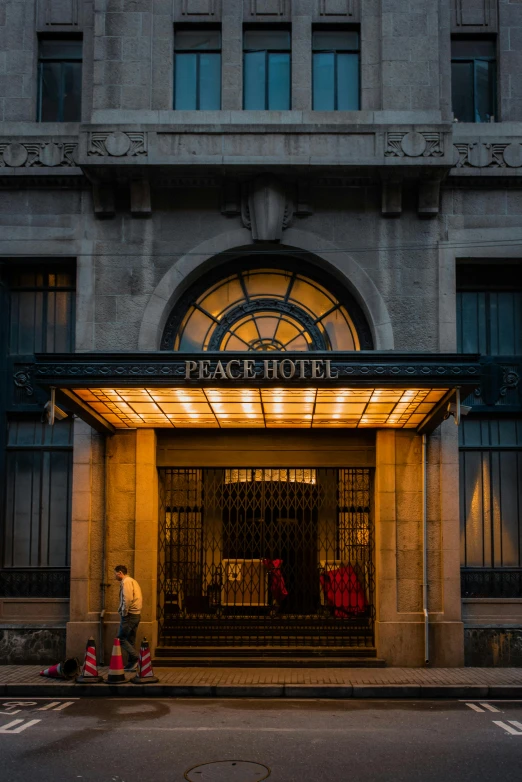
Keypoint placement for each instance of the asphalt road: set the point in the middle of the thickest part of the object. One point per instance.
(153, 740)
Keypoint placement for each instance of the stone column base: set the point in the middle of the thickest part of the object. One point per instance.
(401, 644)
(78, 633)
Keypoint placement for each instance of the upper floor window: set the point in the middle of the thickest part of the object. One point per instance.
(336, 70)
(197, 79)
(473, 79)
(489, 309)
(59, 80)
(41, 311)
(266, 77)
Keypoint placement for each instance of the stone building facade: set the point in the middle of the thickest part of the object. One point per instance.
(121, 208)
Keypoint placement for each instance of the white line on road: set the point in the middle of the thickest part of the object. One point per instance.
(11, 726)
(508, 728)
(475, 708)
(516, 724)
(49, 706)
(489, 707)
(70, 703)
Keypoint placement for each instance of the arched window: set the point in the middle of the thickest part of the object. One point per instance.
(264, 310)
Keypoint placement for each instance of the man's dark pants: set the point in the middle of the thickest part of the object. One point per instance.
(127, 635)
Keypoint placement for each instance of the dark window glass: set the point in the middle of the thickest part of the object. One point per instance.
(59, 80)
(41, 312)
(38, 494)
(491, 493)
(335, 79)
(473, 79)
(489, 322)
(197, 79)
(266, 77)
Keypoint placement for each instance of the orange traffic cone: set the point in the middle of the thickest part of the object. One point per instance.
(145, 673)
(89, 674)
(116, 674)
(65, 670)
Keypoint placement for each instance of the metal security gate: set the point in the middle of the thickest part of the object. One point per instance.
(265, 557)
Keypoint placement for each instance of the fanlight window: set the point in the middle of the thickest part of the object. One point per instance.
(265, 310)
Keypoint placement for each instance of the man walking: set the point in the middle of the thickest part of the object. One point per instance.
(129, 610)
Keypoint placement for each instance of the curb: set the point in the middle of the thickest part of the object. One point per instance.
(333, 691)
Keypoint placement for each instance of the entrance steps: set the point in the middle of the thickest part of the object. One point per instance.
(268, 657)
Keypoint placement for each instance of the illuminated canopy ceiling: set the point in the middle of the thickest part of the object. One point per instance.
(359, 389)
(262, 408)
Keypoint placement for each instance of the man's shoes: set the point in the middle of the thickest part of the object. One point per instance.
(131, 667)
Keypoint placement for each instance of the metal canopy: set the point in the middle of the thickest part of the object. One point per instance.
(368, 389)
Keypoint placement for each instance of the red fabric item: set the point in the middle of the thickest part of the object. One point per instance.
(277, 581)
(343, 591)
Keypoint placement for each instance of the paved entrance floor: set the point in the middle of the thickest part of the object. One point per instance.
(283, 682)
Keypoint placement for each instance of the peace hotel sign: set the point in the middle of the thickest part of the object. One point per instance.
(267, 369)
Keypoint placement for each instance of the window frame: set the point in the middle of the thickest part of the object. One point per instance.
(472, 60)
(61, 61)
(267, 53)
(198, 53)
(336, 52)
(45, 288)
(39, 472)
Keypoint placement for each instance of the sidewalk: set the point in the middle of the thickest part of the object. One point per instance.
(25, 681)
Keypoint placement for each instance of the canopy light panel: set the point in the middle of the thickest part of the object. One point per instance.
(264, 408)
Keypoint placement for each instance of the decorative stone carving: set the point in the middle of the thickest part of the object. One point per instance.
(268, 7)
(27, 154)
(510, 380)
(15, 155)
(23, 381)
(198, 7)
(117, 144)
(60, 12)
(336, 8)
(472, 13)
(414, 144)
(266, 209)
(478, 154)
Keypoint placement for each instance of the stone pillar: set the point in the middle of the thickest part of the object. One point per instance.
(398, 552)
(146, 532)
(232, 55)
(87, 526)
(121, 521)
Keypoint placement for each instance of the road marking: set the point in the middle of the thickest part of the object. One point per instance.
(474, 707)
(64, 706)
(516, 724)
(489, 707)
(11, 726)
(49, 706)
(508, 728)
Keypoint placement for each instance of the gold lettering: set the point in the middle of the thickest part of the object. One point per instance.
(329, 375)
(249, 369)
(269, 368)
(190, 366)
(228, 369)
(301, 364)
(317, 369)
(282, 370)
(220, 372)
(204, 373)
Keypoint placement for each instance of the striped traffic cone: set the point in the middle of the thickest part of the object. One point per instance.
(145, 673)
(65, 670)
(89, 674)
(116, 674)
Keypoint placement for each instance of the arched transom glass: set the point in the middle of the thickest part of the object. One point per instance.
(265, 310)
